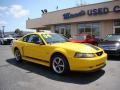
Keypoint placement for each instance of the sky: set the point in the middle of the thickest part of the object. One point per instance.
(14, 13)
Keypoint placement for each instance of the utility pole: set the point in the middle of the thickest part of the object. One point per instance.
(3, 30)
(81, 2)
(0, 33)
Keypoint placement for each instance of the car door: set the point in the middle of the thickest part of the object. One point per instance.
(33, 49)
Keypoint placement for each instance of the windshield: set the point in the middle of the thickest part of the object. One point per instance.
(112, 38)
(54, 38)
(79, 37)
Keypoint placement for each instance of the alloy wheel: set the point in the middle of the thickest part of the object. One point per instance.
(17, 55)
(58, 65)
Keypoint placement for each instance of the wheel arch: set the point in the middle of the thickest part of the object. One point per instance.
(58, 53)
(67, 67)
(2, 42)
(15, 48)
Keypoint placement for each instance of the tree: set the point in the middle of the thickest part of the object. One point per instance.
(18, 31)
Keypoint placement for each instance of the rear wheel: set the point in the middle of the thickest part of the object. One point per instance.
(17, 55)
(59, 64)
(1, 43)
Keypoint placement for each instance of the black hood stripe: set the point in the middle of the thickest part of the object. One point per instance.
(92, 46)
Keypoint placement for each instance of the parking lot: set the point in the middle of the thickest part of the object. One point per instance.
(29, 76)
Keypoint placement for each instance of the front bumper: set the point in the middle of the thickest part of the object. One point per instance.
(96, 69)
(88, 64)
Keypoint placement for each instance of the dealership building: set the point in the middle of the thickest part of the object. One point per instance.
(97, 19)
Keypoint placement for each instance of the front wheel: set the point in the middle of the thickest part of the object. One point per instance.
(1, 43)
(59, 64)
(17, 55)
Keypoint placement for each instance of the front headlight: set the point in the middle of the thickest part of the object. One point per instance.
(84, 55)
(117, 44)
(5, 39)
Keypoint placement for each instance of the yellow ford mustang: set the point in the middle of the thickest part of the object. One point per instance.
(53, 50)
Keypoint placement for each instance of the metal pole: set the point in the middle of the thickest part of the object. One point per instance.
(0, 33)
(3, 30)
(81, 2)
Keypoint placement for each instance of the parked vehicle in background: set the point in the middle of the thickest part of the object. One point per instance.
(53, 50)
(111, 44)
(18, 36)
(6, 39)
(84, 38)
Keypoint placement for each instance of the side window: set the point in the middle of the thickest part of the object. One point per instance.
(26, 38)
(30, 38)
(34, 39)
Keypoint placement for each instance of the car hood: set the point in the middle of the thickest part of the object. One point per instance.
(109, 42)
(8, 38)
(78, 47)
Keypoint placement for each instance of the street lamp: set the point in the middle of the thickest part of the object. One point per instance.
(3, 30)
(0, 33)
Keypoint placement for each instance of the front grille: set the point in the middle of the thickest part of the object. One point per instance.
(111, 52)
(9, 41)
(99, 53)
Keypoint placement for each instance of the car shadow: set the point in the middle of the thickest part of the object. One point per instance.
(71, 77)
(114, 58)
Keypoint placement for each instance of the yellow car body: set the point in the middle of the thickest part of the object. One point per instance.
(73, 53)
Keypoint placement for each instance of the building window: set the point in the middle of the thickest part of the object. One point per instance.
(89, 28)
(96, 29)
(56, 29)
(116, 22)
(117, 26)
(64, 30)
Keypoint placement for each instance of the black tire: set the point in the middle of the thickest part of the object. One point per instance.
(3, 43)
(0, 43)
(17, 55)
(59, 64)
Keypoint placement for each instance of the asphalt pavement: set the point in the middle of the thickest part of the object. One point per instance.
(30, 76)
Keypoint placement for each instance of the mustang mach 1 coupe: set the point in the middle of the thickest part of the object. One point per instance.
(54, 51)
